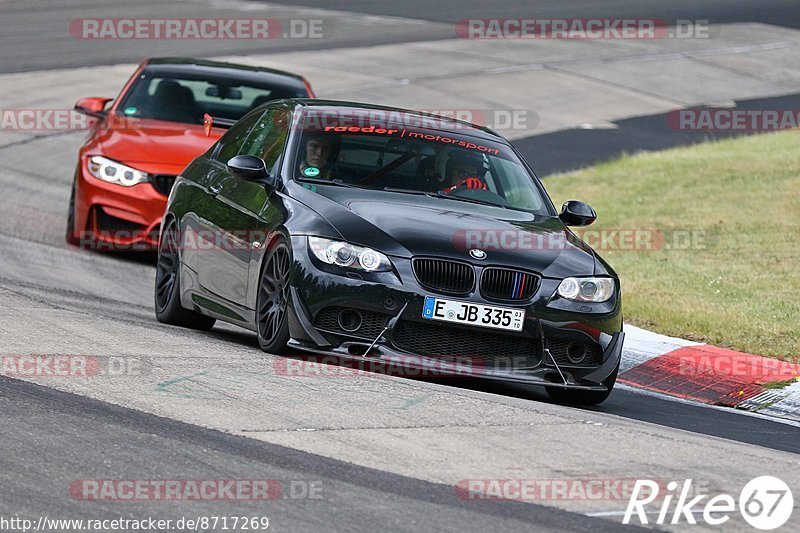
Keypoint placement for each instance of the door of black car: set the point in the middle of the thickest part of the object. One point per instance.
(210, 232)
(241, 211)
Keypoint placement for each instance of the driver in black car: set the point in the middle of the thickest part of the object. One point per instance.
(463, 170)
(318, 153)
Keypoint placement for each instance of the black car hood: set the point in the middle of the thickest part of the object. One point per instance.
(406, 225)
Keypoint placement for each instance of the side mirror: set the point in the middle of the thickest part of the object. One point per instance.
(92, 107)
(250, 168)
(575, 213)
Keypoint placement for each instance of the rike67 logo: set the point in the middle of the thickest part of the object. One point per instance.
(765, 503)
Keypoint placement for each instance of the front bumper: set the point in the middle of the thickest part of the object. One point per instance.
(113, 217)
(398, 338)
(386, 360)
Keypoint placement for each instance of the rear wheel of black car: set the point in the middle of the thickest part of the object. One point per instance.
(273, 298)
(583, 397)
(168, 290)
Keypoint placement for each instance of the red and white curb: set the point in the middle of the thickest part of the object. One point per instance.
(708, 374)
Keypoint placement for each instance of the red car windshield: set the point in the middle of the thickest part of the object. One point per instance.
(181, 99)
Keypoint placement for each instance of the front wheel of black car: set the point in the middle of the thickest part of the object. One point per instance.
(168, 289)
(273, 298)
(583, 397)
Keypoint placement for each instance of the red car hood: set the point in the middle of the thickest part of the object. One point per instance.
(155, 144)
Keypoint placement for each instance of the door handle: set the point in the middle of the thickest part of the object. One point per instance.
(214, 189)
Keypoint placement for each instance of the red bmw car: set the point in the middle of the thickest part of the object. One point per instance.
(169, 112)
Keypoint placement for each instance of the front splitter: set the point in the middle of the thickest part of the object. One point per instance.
(382, 359)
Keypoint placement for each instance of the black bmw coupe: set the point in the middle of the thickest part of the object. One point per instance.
(379, 234)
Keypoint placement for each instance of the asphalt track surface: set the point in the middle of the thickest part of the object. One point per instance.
(56, 426)
(54, 299)
(35, 35)
(715, 11)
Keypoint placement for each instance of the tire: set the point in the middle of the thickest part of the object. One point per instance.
(167, 293)
(70, 233)
(272, 299)
(583, 397)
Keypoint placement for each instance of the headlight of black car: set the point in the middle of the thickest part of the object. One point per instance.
(348, 255)
(592, 289)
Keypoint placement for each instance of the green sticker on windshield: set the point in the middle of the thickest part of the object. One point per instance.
(131, 110)
(311, 172)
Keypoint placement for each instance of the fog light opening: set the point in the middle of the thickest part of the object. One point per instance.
(576, 352)
(361, 350)
(349, 320)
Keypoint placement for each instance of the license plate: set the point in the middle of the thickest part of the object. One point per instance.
(473, 314)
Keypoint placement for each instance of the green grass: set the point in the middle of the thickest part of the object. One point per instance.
(737, 287)
(778, 384)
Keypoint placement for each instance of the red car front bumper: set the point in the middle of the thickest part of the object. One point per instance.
(113, 217)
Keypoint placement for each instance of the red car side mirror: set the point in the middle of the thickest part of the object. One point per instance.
(92, 106)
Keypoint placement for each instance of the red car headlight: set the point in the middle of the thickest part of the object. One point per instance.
(113, 172)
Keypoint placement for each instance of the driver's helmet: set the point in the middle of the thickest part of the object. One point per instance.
(461, 165)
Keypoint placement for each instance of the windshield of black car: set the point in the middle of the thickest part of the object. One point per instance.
(442, 164)
(186, 98)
